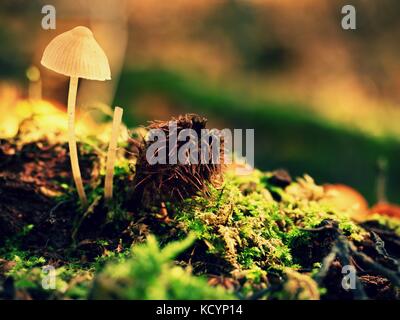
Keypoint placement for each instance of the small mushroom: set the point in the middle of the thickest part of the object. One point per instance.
(76, 54)
(35, 83)
(345, 198)
(111, 154)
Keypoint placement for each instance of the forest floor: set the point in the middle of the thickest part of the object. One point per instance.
(261, 235)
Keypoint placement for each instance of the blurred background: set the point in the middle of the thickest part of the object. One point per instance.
(322, 100)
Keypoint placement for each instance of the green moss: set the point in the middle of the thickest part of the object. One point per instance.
(241, 222)
(30, 275)
(151, 274)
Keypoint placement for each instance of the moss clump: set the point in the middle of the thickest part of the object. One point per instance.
(31, 279)
(150, 274)
(255, 234)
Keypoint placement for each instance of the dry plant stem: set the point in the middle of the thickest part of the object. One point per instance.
(111, 155)
(76, 172)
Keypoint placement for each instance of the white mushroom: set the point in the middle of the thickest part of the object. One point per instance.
(76, 54)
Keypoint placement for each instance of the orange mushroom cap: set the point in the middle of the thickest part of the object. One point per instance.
(346, 198)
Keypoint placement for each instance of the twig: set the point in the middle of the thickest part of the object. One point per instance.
(326, 225)
(380, 248)
(391, 275)
(326, 264)
(344, 252)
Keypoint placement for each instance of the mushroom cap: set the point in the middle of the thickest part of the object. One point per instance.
(76, 53)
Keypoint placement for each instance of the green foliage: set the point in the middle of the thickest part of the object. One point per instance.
(151, 274)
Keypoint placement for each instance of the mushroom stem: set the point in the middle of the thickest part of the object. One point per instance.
(111, 154)
(35, 90)
(73, 153)
(35, 83)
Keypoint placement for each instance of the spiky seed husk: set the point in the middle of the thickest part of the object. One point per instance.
(174, 182)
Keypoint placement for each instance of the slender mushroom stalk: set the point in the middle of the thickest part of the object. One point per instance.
(111, 155)
(35, 83)
(381, 180)
(76, 54)
(73, 152)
